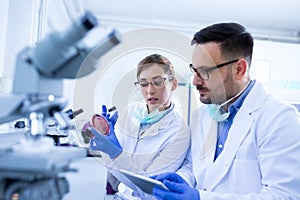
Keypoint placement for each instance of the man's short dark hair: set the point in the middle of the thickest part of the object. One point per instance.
(234, 40)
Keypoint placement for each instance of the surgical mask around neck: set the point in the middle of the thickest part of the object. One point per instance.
(215, 110)
(144, 117)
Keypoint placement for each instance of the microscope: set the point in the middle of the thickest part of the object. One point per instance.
(32, 168)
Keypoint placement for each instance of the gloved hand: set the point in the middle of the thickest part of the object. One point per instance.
(179, 189)
(112, 119)
(102, 143)
(112, 136)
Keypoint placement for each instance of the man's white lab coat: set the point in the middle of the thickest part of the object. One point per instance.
(260, 159)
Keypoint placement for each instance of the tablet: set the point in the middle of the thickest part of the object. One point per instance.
(144, 183)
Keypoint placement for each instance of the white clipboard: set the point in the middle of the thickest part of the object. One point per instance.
(138, 182)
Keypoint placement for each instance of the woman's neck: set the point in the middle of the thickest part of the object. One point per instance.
(161, 108)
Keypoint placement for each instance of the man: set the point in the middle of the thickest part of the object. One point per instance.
(245, 142)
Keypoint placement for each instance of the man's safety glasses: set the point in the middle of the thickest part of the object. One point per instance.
(203, 72)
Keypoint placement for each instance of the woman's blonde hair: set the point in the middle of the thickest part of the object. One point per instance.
(162, 61)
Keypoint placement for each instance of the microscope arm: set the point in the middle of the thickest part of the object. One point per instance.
(40, 70)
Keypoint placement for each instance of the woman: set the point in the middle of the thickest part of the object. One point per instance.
(152, 138)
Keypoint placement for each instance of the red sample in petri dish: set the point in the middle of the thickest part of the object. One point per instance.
(100, 123)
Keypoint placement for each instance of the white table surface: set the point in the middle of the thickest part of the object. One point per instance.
(89, 183)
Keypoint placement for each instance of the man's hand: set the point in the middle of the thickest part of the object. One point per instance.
(179, 189)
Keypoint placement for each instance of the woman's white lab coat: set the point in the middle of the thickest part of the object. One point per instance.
(260, 159)
(161, 148)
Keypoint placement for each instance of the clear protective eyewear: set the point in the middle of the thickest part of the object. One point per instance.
(204, 72)
(157, 83)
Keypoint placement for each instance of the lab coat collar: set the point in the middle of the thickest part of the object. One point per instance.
(131, 126)
(160, 125)
(237, 133)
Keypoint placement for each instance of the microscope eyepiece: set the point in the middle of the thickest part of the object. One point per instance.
(89, 21)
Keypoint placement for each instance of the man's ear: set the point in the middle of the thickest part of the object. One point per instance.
(240, 69)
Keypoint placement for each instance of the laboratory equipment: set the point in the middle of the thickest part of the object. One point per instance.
(32, 167)
(60, 136)
(101, 124)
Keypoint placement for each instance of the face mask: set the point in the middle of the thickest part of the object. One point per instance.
(144, 117)
(214, 110)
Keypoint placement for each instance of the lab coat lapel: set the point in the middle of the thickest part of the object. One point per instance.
(216, 171)
(236, 135)
(154, 128)
(208, 147)
(222, 164)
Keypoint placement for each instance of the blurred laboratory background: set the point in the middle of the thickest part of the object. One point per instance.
(168, 27)
(143, 27)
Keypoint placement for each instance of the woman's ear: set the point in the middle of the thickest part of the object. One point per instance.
(174, 84)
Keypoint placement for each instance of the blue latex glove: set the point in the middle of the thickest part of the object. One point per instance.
(112, 136)
(112, 119)
(102, 143)
(179, 189)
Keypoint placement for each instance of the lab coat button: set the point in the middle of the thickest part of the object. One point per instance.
(204, 189)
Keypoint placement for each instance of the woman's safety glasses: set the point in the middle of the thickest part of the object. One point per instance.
(157, 83)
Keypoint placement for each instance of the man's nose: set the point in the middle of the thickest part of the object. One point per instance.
(197, 80)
